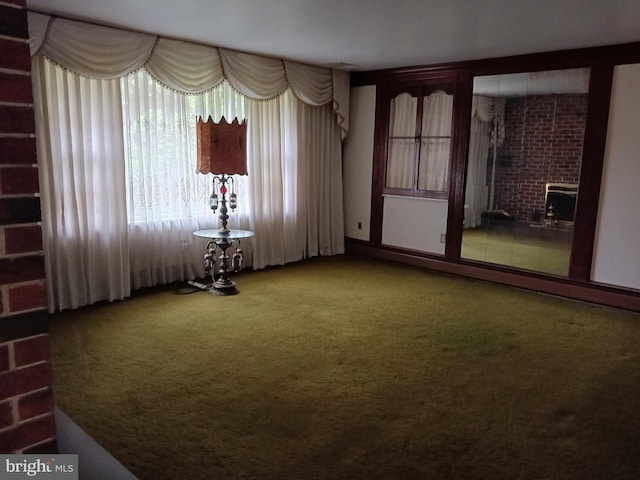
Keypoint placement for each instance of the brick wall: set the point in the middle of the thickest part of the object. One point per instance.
(543, 143)
(26, 400)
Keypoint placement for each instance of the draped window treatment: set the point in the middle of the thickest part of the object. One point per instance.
(82, 186)
(487, 124)
(166, 200)
(115, 121)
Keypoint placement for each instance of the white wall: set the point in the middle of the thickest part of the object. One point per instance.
(617, 248)
(358, 162)
(415, 223)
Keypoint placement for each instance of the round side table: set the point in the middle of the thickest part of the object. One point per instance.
(221, 241)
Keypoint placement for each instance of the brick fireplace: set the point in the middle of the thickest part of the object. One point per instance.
(543, 143)
(26, 400)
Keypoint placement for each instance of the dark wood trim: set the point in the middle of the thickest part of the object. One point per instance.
(409, 75)
(379, 162)
(431, 74)
(431, 193)
(458, 167)
(595, 139)
(559, 59)
(627, 299)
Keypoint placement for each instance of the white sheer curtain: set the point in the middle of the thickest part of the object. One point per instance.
(82, 185)
(319, 190)
(435, 142)
(116, 149)
(435, 149)
(485, 116)
(402, 144)
(476, 192)
(166, 200)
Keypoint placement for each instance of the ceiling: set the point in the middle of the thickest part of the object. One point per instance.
(360, 35)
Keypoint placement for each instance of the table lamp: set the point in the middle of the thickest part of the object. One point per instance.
(222, 151)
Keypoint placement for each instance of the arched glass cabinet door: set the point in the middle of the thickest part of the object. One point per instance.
(419, 143)
(525, 154)
(416, 141)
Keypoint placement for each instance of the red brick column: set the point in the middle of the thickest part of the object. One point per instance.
(26, 400)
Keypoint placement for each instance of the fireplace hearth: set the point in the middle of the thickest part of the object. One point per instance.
(560, 202)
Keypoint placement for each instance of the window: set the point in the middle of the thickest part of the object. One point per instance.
(419, 144)
(160, 145)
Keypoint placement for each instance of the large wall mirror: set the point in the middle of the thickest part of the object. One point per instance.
(525, 152)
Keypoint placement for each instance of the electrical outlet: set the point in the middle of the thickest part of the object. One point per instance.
(443, 238)
(359, 225)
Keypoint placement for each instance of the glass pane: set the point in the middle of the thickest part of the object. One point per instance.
(433, 170)
(402, 120)
(525, 152)
(401, 152)
(400, 160)
(435, 143)
(437, 115)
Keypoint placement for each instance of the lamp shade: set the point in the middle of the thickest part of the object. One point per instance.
(222, 147)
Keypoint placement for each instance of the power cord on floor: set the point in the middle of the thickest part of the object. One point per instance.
(192, 286)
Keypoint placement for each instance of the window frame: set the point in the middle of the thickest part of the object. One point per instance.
(420, 90)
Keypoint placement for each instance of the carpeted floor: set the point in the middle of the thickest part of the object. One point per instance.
(537, 249)
(350, 368)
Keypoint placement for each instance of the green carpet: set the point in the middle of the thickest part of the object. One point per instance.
(352, 368)
(530, 249)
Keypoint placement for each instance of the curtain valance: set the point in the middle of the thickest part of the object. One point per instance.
(105, 52)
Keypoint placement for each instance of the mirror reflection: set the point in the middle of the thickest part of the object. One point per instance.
(525, 151)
